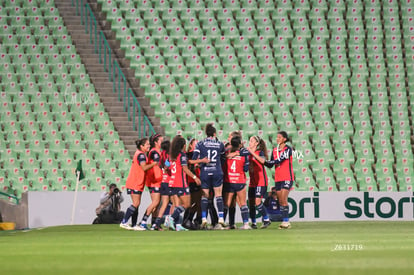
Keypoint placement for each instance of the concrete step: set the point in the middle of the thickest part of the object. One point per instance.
(99, 77)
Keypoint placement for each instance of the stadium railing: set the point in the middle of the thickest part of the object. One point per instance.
(9, 197)
(115, 73)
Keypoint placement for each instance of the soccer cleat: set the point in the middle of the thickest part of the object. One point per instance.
(221, 221)
(218, 227)
(156, 228)
(125, 226)
(144, 226)
(167, 221)
(179, 227)
(284, 225)
(254, 226)
(188, 224)
(138, 228)
(265, 224)
(204, 224)
(171, 225)
(245, 227)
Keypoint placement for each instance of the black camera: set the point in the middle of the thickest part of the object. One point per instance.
(116, 191)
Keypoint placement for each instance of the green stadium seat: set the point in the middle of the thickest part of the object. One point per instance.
(325, 180)
(231, 97)
(179, 5)
(225, 116)
(201, 109)
(230, 126)
(366, 180)
(181, 109)
(207, 117)
(305, 181)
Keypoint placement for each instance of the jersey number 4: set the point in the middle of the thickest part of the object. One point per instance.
(233, 166)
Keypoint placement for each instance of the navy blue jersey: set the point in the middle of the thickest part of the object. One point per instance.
(214, 150)
(154, 156)
(272, 206)
(245, 153)
(142, 158)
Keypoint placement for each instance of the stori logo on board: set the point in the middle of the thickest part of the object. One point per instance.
(298, 207)
(384, 207)
(331, 206)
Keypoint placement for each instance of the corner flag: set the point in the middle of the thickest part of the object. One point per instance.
(79, 176)
(79, 172)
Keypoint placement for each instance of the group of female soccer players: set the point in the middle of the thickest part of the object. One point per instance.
(187, 179)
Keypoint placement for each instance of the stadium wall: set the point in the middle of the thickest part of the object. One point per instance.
(55, 208)
(11, 212)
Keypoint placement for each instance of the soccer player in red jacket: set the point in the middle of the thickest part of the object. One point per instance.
(180, 190)
(258, 180)
(135, 183)
(165, 189)
(282, 160)
(153, 179)
(236, 179)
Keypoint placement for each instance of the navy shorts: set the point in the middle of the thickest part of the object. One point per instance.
(165, 189)
(179, 191)
(283, 185)
(153, 190)
(211, 181)
(135, 192)
(227, 187)
(237, 187)
(257, 192)
(194, 188)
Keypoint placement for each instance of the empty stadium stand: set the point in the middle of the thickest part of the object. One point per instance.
(334, 74)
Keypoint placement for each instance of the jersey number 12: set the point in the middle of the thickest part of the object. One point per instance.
(212, 155)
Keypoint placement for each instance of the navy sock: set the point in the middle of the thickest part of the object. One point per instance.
(225, 211)
(131, 209)
(232, 215)
(213, 212)
(144, 219)
(220, 206)
(244, 213)
(263, 211)
(191, 215)
(158, 221)
(186, 215)
(134, 218)
(204, 207)
(285, 212)
(177, 212)
(252, 212)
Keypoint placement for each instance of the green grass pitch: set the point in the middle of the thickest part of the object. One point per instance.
(307, 248)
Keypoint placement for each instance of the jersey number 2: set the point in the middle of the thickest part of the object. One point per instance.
(212, 155)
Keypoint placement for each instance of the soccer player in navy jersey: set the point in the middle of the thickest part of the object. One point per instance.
(211, 173)
(195, 190)
(281, 158)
